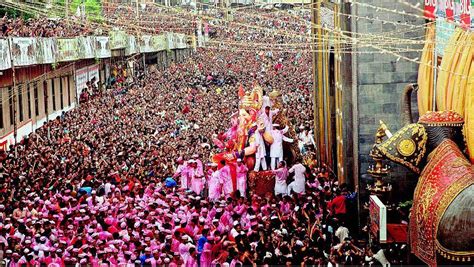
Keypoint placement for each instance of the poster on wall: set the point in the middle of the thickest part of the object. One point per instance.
(24, 51)
(118, 40)
(86, 47)
(102, 47)
(181, 40)
(93, 71)
(378, 218)
(444, 9)
(472, 15)
(131, 45)
(47, 50)
(5, 59)
(170, 40)
(158, 42)
(67, 49)
(145, 43)
(462, 13)
(81, 79)
(444, 30)
(430, 9)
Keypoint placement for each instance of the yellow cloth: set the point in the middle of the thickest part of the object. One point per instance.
(218, 90)
(458, 81)
(443, 74)
(454, 69)
(469, 112)
(425, 73)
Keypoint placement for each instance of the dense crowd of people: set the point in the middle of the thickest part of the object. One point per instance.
(41, 27)
(95, 186)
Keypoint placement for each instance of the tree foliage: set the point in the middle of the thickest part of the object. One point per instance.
(93, 8)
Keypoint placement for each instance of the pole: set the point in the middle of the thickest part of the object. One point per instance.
(15, 130)
(138, 15)
(67, 10)
(315, 43)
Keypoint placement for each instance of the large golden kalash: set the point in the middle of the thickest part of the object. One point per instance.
(379, 171)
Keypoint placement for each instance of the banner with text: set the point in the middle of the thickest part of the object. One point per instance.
(86, 47)
(24, 51)
(93, 72)
(158, 42)
(67, 49)
(102, 45)
(5, 59)
(444, 30)
(81, 80)
(118, 40)
(48, 50)
(145, 44)
(181, 40)
(170, 39)
(462, 13)
(131, 46)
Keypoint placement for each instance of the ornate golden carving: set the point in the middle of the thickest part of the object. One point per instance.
(406, 147)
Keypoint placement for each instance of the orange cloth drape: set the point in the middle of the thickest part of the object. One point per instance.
(426, 72)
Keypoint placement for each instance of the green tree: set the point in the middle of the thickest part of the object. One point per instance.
(93, 8)
(13, 13)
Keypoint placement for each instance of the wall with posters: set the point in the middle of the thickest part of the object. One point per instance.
(84, 75)
(27, 51)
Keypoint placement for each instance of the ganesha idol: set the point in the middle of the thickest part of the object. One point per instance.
(238, 141)
(441, 229)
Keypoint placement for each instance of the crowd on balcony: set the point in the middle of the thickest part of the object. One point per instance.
(41, 27)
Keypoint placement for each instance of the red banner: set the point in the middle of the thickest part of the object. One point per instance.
(465, 14)
(430, 9)
(449, 10)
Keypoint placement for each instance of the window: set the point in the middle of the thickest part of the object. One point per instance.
(45, 90)
(53, 94)
(68, 92)
(35, 95)
(10, 105)
(28, 93)
(20, 102)
(61, 92)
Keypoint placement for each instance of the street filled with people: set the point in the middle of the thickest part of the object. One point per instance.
(127, 178)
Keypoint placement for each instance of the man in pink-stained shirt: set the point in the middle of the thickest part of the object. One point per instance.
(241, 177)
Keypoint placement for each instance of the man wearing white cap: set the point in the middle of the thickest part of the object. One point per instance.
(276, 148)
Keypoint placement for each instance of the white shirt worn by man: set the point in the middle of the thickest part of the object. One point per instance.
(298, 185)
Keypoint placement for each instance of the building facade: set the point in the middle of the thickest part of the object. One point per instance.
(364, 85)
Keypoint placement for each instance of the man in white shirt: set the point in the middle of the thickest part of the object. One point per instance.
(267, 118)
(342, 233)
(276, 148)
(298, 185)
(306, 139)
